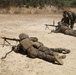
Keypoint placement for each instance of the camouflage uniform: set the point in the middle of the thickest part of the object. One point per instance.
(65, 19)
(62, 28)
(38, 50)
(72, 17)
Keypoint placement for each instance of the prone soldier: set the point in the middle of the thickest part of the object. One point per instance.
(63, 28)
(38, 50)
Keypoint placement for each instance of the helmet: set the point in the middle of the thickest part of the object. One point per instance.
(23, 36)
(65, 12)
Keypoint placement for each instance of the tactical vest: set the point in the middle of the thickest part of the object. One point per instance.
(27, 46)
(26, 43)
(72, 15)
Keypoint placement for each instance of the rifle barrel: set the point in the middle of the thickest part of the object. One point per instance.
(51, 25)
(14, 39)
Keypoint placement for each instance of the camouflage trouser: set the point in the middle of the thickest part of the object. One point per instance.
(60, 50)
(42, 53)
(50, 51)
(71, 32)
(46, 50)
(45, 56)
(33, 53)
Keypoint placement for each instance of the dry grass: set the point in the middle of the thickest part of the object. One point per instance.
(30, 10)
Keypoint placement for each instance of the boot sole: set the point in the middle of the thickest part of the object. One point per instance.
(62, 56)
(58, 60)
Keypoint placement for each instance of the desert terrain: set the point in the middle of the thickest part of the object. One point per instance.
(34, 25)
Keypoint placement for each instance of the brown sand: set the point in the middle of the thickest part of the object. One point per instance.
(16, 64)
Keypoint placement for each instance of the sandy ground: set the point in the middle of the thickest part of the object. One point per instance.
(16, 64)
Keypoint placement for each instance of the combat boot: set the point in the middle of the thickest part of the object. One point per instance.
(57, 58)
(51, 58)
(62, 56)
(66, 51)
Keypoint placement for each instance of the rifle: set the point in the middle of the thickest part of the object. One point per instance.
(6, 54)
(6, 40)
(53, 25)
(34, 39)
(9, 44)
(13, 47)
(50, 25)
